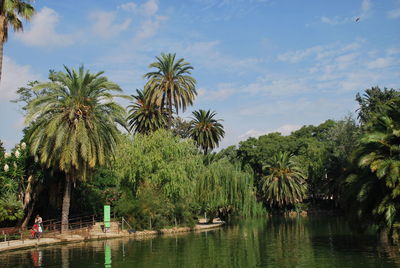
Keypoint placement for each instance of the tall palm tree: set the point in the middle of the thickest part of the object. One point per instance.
(10, 13)
(171, 85)
(205, 130)
(145, 116)
(284, 183)
(73, 125)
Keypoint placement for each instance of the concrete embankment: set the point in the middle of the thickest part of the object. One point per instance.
(73, 237)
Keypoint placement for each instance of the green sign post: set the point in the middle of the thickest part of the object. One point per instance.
(107, 218)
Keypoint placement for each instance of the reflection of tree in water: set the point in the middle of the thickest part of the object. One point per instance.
(235, 247)
(287, 243)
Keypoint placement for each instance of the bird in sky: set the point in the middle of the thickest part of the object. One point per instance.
(357, 19)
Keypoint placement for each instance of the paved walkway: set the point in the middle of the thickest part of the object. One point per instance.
(68, 238)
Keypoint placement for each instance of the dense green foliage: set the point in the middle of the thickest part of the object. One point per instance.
(224, 189)
(167, 183)
(375, 180)
(373, 101)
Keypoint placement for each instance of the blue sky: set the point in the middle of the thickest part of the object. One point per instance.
(262, 65)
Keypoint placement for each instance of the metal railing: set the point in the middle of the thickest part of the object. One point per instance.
(51, 228)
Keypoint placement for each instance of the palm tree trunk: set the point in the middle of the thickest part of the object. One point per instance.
(170, 115)
(1, 58)
(3, 34)
(66, 203)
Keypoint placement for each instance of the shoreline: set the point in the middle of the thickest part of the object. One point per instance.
(15, 245)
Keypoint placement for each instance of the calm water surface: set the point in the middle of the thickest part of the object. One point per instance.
(303, 242)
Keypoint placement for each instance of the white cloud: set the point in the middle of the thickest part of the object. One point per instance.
(284, 130)
(252, 133)
(277, 85)
(394, 14)
(150, 8)
(152, 21)
(346, 60)
(287, 129)
(13, 77)
(149, 28)
(208, 55)
(299, 109)
(104, 24)
(298, 55)
(334, 20)
(222, 92)
(130, 6)
(393, 51)
(380, 63)
(42, 31)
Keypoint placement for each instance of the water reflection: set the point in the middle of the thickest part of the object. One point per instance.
(107, 255)
(303, 242)
(37, 257)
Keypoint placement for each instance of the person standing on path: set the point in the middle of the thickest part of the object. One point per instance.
(39, 222)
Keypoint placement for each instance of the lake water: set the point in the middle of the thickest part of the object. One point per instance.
(302, 242)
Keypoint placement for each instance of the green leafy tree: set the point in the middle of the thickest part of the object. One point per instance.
(11, 13)
(145, 116)
(161, 164)
(284, 183)
(73, 125)
(257, 151)
(181, 127)
(344, 139)
(171, 85)
(224, 189)
(205, 130)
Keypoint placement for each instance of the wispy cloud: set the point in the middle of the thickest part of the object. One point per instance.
(394, 14)
(380, 63)
(208, 54)
(363, 14)
(105, 25)
(151, 22)
(130, 6)
(42, 31)
(220, 93)
(149, 28)
(14, 76)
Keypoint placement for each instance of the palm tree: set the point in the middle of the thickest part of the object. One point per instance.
(10, 13)
(377, 180)
(373, 101)
(284, 183)
(73, 125)
(171, 84)
(206, 131)
(145, 116)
